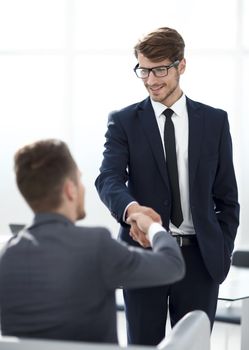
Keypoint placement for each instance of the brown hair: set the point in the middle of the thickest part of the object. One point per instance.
(163, 43)
(41, 169)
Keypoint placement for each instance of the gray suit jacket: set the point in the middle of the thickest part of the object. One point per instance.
(58, 280)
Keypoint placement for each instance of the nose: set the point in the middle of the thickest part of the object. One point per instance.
(151, 78)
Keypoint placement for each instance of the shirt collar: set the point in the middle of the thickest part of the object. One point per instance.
(179, 107)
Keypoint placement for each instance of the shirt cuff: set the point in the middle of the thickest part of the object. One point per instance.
(154, 228)
(124, 215)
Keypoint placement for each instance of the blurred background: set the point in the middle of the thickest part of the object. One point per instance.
(65, 64)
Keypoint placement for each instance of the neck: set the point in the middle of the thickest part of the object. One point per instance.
(67, 212)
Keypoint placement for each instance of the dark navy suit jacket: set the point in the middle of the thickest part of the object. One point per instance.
(134, 169)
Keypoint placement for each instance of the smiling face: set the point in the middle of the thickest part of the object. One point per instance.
(163, 89)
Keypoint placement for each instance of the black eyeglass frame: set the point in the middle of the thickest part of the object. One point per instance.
(174, 64)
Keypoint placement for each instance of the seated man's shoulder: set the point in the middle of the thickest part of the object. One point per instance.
(94, 232)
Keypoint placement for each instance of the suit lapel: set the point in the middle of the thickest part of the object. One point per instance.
(149, 124)
(196, 127)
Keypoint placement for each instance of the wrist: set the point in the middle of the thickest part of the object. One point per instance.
(154, 228)
(133, 208)
(126, 214)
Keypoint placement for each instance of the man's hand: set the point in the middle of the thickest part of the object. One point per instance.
(140, 218)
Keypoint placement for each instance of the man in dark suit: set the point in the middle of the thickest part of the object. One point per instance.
(198, 202)
(58, 280)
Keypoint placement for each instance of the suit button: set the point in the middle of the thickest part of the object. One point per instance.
(166, 202)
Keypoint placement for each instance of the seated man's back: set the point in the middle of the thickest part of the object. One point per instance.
(52, 283)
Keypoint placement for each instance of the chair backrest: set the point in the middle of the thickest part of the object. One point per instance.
(15, 228)
(191, 332)
(240, 258)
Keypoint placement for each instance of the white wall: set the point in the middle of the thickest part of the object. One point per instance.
(65, 64)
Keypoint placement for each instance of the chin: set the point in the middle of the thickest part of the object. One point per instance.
(157, 98)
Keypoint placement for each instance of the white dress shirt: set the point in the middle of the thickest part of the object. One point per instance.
(180, 121)
(153, 230)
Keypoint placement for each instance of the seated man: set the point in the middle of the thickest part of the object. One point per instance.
(58, 280)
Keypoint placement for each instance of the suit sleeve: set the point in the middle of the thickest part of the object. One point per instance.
(111, 183)
(225, 190)
(130, 267)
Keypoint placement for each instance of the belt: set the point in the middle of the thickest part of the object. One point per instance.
(185, 240)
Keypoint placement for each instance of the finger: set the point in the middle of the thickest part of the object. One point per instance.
(152, 213)
(134, 230)
(144, 243)
(143, 239)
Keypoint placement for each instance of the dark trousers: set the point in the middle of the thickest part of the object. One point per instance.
(146, 309)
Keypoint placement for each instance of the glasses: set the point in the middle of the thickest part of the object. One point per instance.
(160, 71)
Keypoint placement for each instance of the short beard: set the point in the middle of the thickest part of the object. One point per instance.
(171, 92)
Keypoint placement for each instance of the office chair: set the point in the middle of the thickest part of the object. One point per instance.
(15, 228)
(191, 332)
(240, 258)
(228, 311)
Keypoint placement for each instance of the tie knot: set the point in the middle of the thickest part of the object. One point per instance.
(168, 112)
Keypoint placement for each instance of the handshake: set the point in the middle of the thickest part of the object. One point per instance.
(140, 218)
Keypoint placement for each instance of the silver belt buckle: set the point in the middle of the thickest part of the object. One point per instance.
(180, 241)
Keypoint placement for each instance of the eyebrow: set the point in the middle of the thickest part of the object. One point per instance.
(162, 65)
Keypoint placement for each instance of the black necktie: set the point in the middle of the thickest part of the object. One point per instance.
(170, 149)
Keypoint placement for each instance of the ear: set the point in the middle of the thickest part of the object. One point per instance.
(69, 189)
(182, 66)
